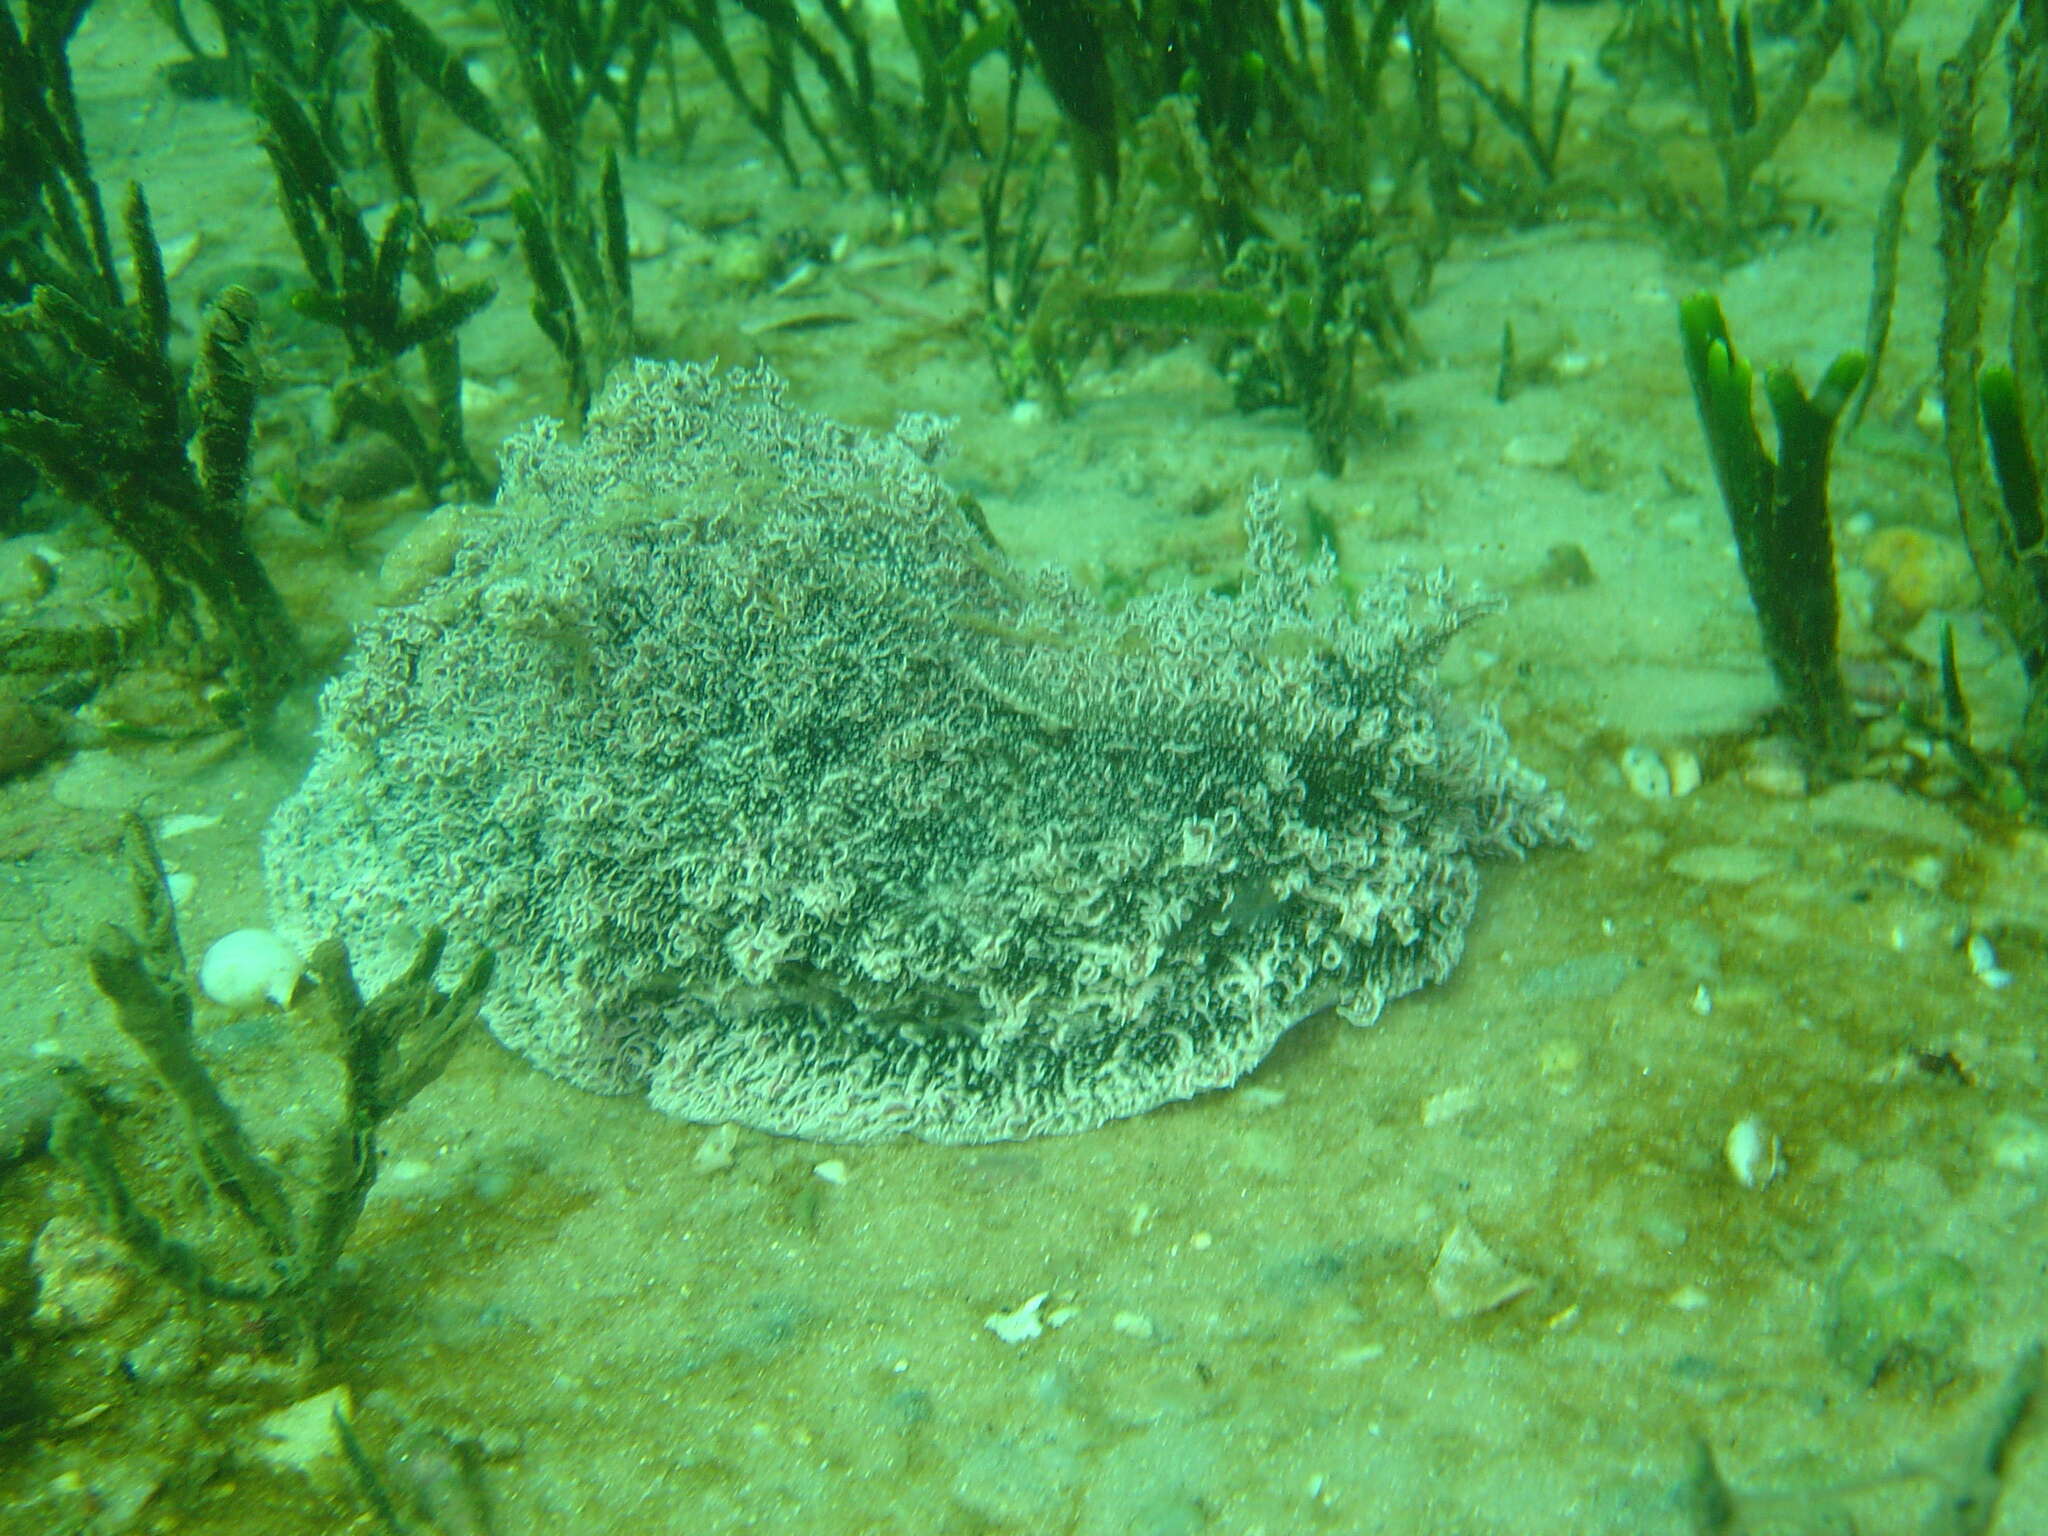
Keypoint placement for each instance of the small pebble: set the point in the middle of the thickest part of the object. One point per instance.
(1537, 450)
(1561, 1064)
(743, 261)
(28, 735)
(1929, 872)
(83, 1277)
(2017, 1144)
(1257, 1096)
(1920, 572)
(649, 230)
(27, 573)
(1451, 1104)
(1565, 567)
(1134, 1325)
(170, 1353)
(424, 554)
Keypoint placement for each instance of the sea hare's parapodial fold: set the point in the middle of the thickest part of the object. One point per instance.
(786, 799)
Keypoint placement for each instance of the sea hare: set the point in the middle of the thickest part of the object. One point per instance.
(786, 798)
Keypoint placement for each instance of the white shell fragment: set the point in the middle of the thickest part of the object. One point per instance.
(1774, 769)
(303, 1436)
(1753, 1153)
(715, 1152)
(1984, 963)
(1469, 1278)
(249, 967)
(184, 824)
(1646, 774)
(1537, 450)
(1019, 1326)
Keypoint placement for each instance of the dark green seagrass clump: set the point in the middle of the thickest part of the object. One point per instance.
(574, 239)
(1992, 186)
(383, 293)
(89, 396)
(1779, 509)
(289, 1223)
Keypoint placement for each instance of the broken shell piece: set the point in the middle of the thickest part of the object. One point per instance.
(1018, 1326)
(176, 253)
(1469, 1278)
(1773, 768)
(1984, 963)
(715, 1152)
(1135, 1325)
(1646, 774)
(1537, 450)
(1684, 768)
(1753, 1153)
(185, 824)
(248, 966)
(304, 1436)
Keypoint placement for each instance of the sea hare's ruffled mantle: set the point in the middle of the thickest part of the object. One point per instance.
(783, 796)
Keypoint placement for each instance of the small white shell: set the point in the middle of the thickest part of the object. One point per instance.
(1019, 1326)
(1645, 774)
(1753, 1153)
(248, 967)
(1984, 963)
